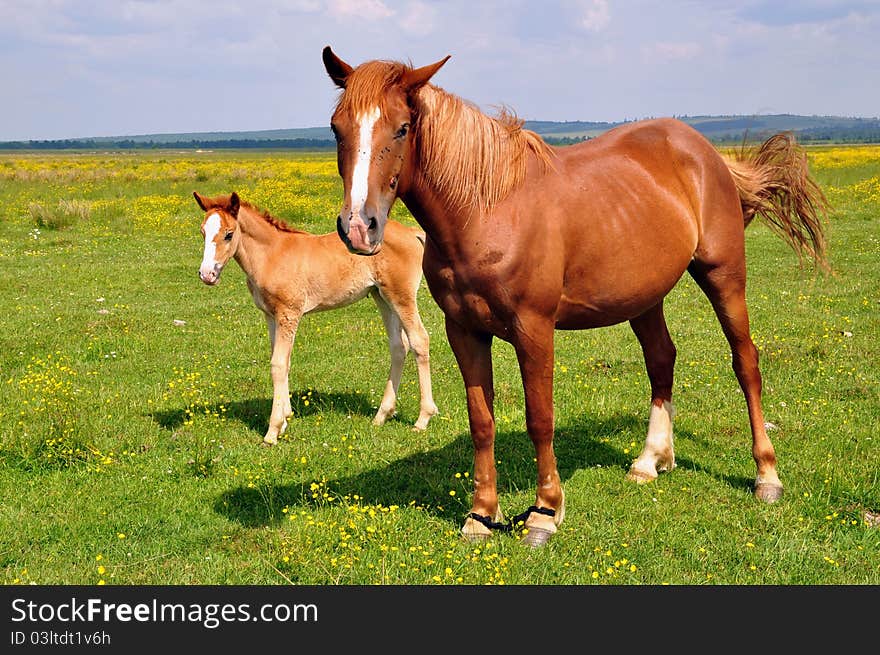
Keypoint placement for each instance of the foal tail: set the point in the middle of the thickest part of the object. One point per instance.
(773, 180)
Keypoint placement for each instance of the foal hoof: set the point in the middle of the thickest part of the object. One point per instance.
(536, 537)
(768, 492)
(640, 477)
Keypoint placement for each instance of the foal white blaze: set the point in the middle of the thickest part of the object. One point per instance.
(658, 453)
(360, 177)
(209, 271)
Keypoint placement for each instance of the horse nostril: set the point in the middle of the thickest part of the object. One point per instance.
(373, 225)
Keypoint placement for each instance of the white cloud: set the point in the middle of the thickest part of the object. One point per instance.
(595, 15)
(418, 19)
(670, 50)
(366, 9)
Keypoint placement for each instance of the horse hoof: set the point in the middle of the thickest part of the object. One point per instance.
(767, 492)
(640, 477)
(475, 531)
(536, 537)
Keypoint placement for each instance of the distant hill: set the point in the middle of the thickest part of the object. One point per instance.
(719, 129)
(735, 129)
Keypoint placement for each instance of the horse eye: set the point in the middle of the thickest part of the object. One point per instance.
(402, 131)
(228, 236)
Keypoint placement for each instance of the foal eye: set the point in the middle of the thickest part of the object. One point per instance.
(402, 131)
(228, 236)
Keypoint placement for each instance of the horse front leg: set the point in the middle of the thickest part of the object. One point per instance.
(473, 352)
(282, 337)
(534, 351)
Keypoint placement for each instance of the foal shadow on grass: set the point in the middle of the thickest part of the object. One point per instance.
(425, 478)
(254, 412)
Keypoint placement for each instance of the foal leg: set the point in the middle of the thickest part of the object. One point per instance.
(473, 352)
(398, 349)
(270, 325)
(725, 287)
(404, 306)
(282, 343)
(659, 352)
(534, 352)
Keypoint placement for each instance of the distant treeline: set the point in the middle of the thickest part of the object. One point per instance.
(130, 144)
(802, 136)
(867, 132)
(563, 140)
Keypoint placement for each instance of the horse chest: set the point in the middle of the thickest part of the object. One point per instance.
(467, 301)
(257, 295)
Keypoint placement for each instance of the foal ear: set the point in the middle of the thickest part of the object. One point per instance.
(416, 78)
(234, 204)
(201, 200)
(337, 69)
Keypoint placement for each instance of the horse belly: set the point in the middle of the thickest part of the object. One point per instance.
(338, 298)
(597, 296)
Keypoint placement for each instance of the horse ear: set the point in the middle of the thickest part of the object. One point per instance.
(416, 78)
(337, 69)
(234, 204)
(201, 200)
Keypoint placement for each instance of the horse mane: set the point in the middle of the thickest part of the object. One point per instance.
(277, 223)
(473, 159)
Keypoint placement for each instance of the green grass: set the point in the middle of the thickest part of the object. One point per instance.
(130, 445)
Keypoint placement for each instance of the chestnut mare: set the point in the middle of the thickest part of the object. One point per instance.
(524, 239)
(291, 273)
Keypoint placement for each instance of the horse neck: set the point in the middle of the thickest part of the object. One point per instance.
(257, 237)
(454, 187)
(443, 222)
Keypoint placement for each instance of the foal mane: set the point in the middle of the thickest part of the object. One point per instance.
(473, 159)
(277, 223)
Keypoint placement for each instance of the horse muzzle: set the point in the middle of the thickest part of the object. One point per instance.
(210, 276)
(359, 237)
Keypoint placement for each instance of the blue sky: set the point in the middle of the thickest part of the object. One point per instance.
(77, 68)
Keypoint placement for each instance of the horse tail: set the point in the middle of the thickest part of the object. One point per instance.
(773, 180)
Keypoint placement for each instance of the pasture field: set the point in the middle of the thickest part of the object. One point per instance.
(133, 400)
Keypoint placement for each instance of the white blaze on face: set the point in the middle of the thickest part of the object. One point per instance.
(212, 227)
(360, 176)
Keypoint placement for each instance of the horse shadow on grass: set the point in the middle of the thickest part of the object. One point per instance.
(425, 478)
(254, 412)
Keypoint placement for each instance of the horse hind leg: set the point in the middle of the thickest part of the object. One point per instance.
(398, 347)
(403, 305)
(724, 285)
(419, 342)
(659, 352)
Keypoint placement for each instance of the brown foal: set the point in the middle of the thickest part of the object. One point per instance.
(291, 273)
